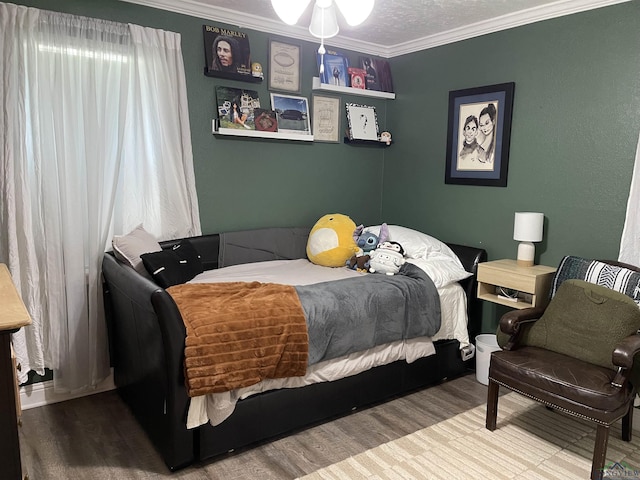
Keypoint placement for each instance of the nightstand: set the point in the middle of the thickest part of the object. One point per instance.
(532, 283)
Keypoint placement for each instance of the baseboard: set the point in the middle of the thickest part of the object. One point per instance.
(41, 393)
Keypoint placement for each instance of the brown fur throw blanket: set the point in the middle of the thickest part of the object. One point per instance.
(240, 333)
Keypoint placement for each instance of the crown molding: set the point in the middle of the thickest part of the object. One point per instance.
(245, 20)
(505, 22)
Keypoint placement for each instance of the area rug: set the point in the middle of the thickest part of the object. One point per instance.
(530, 442)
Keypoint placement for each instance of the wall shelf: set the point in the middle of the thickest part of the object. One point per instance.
(317, 85)
(258, 134)
(241, 77)
(374, 143)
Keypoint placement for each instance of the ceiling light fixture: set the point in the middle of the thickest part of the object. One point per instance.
(324, 22)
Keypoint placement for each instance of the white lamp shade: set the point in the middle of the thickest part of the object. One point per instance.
(355, 11)
(324, 23)
(528, 226)
(290, 11)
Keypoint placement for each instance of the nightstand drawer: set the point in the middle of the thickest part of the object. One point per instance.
(532, 283)
(522, 283)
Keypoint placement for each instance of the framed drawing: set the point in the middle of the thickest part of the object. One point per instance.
(478, 135)
(292, 113)
(284, 67)
(363, 122)
(326, 119)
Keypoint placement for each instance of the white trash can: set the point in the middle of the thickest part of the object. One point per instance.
(485, 344)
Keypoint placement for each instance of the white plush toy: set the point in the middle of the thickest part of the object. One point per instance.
(387, 258)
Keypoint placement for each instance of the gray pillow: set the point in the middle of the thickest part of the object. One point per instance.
(128, 248)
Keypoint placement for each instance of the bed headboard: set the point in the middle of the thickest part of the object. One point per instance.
(470, 258)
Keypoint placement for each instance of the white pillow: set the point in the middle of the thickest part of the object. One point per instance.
(128, 248)
(428, 253)
(416, 244)
(443, 270)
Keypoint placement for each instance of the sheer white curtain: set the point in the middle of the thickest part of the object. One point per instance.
(95, 140)
(630, 241)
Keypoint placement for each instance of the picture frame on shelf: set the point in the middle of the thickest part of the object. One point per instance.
(227, 53)
(479, 134)
(362, 122)
(326, 119)
(377, 74)
(265, 120)
(292, 113)
(333, 69)
(357, 77)
(284, 66)
(236, 107)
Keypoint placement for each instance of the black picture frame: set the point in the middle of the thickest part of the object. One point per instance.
(482, 161)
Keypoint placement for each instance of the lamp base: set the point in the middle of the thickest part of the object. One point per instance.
(525, 263)
(526, 253)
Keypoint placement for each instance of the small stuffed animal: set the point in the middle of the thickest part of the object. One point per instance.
(366, 242)
(359, 262)
(387, 258)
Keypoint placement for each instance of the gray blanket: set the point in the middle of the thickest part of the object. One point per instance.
(355, 314)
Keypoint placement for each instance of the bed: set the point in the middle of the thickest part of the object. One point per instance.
(147, 347)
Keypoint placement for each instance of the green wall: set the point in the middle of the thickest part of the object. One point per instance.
(574, 134)
(247, 183)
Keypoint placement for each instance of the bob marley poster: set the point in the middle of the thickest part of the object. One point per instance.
(226, 52)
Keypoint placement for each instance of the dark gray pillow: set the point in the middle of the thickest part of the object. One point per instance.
(173, 266)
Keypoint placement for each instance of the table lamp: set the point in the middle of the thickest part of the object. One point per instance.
(527, 228)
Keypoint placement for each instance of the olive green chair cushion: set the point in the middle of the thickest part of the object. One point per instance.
(584, 321)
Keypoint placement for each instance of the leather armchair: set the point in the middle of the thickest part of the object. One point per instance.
(571, 385)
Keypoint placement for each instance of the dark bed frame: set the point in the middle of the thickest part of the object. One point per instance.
(146, 341)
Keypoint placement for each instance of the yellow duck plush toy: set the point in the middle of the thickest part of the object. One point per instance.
(331, 241)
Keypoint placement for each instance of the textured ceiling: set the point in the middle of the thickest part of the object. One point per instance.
(395, 27)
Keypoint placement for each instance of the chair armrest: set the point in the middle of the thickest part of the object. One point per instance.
(625, 351)
(622, 358)
(511, 322)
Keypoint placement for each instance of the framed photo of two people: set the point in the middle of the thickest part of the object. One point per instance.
(478, 135)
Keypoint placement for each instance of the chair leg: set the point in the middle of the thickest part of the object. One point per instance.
(599, 452)
(492, 405)
(627, 424)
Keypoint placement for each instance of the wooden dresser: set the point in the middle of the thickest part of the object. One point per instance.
(13, 316)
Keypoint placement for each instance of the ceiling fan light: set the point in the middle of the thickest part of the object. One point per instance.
(290, 11)
(355, 11)
(324, 23)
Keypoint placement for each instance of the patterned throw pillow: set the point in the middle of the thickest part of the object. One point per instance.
(173, 266)
(616, 278)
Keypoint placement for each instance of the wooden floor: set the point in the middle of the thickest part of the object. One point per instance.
(96, 438)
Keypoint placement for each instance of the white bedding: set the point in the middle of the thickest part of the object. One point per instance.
(215, 408)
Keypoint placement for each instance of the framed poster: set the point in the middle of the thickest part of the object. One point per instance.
(292, 113)
(363, 122)
(326, 119)
(377, 74)
(284, 67)
(478, 135)
(227, 53)
(333, 69)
